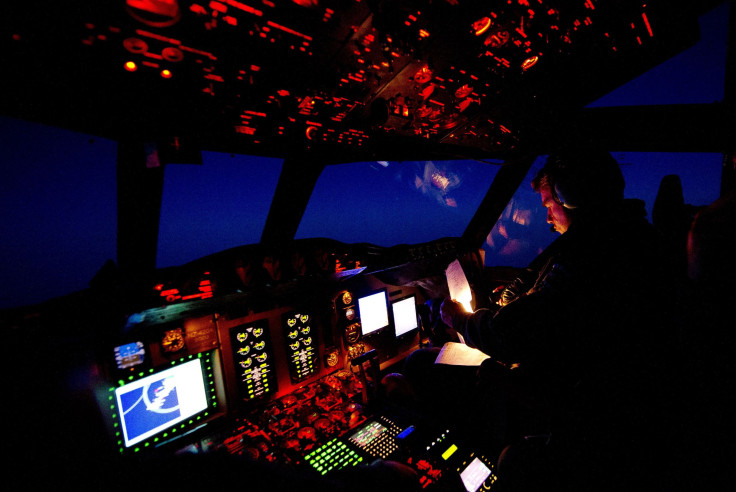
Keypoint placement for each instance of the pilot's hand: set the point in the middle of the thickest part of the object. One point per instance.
(497, 294)
(449, 310)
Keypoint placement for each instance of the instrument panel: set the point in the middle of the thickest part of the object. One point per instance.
(292, 375)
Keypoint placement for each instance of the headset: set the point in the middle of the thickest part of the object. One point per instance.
(584, 178)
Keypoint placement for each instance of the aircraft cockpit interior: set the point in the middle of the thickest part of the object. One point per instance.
(258, 345)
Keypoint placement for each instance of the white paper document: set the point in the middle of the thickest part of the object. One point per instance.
(459, 354)
(458, 285)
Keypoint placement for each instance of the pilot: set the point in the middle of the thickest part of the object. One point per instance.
(581, 341)
(564, 183)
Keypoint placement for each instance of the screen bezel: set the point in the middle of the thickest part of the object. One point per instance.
(398, 301)
(384, 306)
(200, 403)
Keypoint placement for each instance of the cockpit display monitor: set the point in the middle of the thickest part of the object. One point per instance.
(301, 345)
(474, 475)
(405, 315)
(253, 359)
(161, 400)
(373, 311)
(129, 355)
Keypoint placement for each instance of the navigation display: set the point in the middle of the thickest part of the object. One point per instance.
(160, 401)
(129, 355)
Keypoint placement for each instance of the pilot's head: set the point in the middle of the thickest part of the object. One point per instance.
(579, 183)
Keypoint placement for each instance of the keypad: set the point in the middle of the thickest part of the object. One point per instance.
(378, 438)
(333, 455)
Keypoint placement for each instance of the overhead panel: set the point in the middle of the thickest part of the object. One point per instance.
(357, 77)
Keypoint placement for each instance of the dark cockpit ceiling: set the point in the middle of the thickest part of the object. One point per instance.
(344, 80)
(321, 82)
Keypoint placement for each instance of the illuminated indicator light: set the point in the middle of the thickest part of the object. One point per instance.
(131, 66)
(589, 5)
(141, 32)
(254, 113)
(423, 76)
(199, 52)
(423, 33)
(529, 62)
(638, 39)
(463, 91)
(166, 74)
(244, 7)
(218, 7)
(290, 31)
(649, 27)
(481, 25)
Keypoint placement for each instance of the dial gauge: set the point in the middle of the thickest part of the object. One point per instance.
(173, 340)
(347, 298)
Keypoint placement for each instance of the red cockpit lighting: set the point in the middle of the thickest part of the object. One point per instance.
(529, 62)
(481, 25)
(463, 91)
(423, 75)
(306, 3)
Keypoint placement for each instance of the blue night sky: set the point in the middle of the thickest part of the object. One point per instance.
(58, 192)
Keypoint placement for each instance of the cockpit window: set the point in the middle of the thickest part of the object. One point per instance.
(695, 76)
(390, 203)
(522, 231)
(59, 221)
(698, 173)
(219, 205)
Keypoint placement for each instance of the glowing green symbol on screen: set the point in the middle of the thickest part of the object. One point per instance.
(257, 332)
(260, 345)
(242, 337)
(244, 350)
(304, 318)
(262, 357)
(306, 330)
(246, 363)
(307, 341)
(294, 334)
(291, 322)
(294, 346)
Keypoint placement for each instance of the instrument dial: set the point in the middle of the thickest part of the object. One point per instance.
(352, 333)
(172, 341)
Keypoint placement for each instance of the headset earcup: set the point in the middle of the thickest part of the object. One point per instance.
(566, 194)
